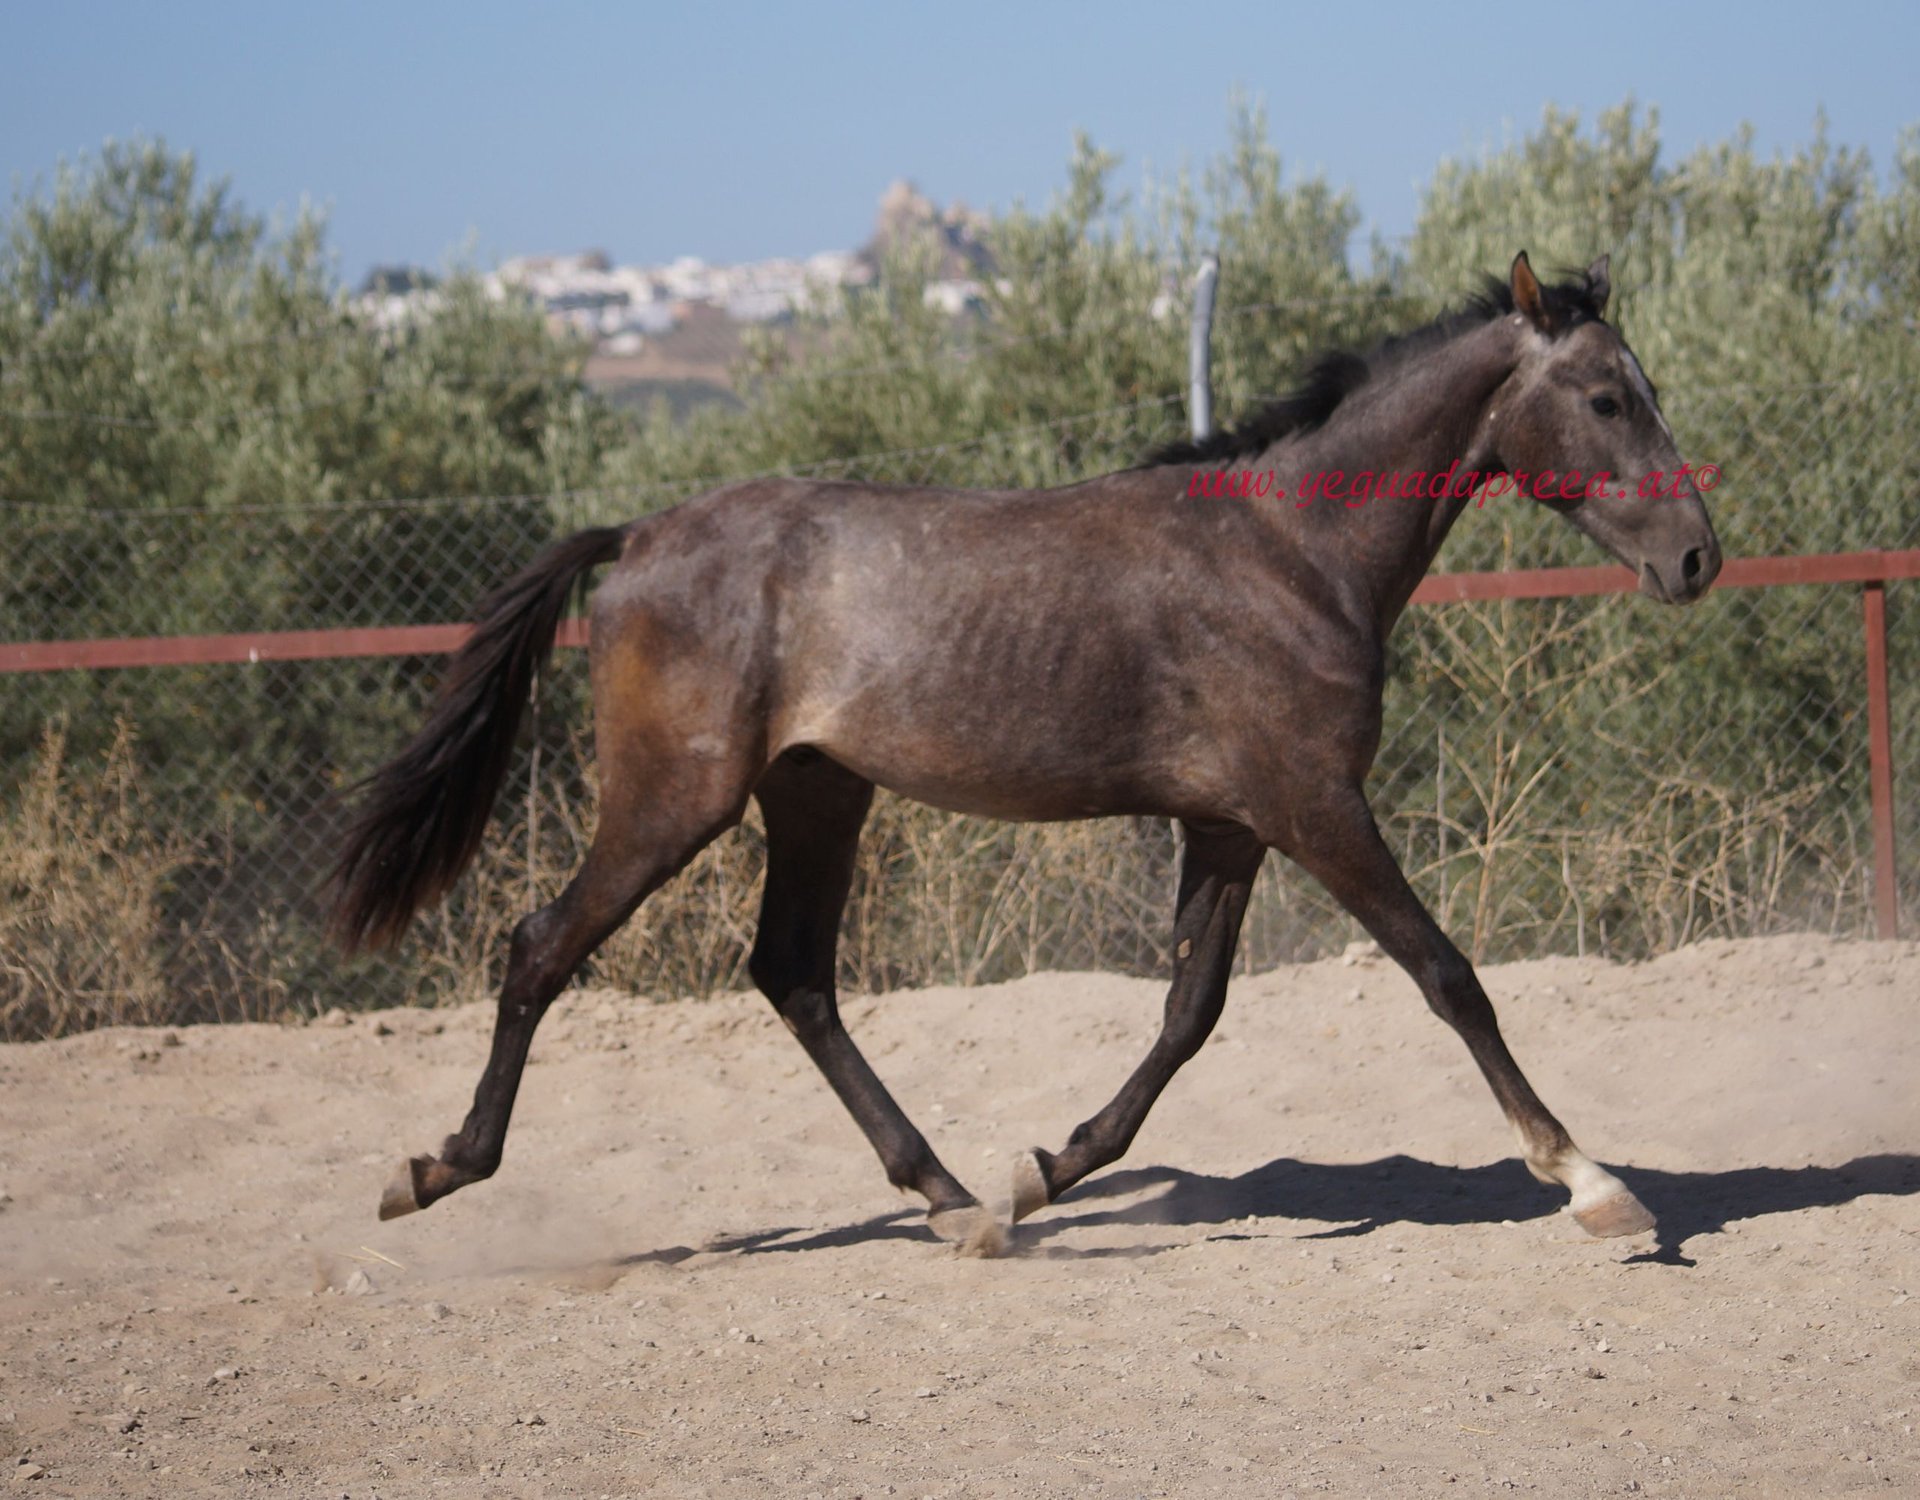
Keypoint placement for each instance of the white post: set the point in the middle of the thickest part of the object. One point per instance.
(1200, 348)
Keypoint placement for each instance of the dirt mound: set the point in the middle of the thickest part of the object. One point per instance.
(1319, 1269)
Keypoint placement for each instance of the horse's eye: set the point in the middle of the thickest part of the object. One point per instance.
(1606, 406)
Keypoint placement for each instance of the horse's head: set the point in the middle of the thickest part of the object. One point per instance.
(1578, 400)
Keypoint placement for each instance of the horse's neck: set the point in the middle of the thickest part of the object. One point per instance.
(1419, 419)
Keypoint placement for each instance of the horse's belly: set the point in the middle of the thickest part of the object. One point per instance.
(1024, 770)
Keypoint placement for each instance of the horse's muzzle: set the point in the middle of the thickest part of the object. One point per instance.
(1685, 579)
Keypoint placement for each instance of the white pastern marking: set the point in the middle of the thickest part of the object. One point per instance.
(1586, 1180)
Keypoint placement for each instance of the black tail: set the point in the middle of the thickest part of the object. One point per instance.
(426, 810)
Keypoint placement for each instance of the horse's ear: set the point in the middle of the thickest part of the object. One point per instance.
(1527, 300)
(1600, 284)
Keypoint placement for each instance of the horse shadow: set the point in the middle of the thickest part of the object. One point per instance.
(1355, 1199)
(901, 1224)
(1358, 1198)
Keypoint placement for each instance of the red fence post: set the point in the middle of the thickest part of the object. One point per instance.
(1886, 891)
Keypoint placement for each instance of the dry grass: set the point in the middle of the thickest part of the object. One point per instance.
(1509, 863)
(1695, 860)
(82, 872)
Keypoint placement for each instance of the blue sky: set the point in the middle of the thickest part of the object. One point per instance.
(738, 132)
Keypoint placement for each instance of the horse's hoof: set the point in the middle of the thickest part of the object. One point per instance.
(970, 1229)
(1030, 1193)
(402, 1195)
(1616, 1214)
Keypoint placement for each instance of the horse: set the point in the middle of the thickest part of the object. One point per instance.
(1108, 648)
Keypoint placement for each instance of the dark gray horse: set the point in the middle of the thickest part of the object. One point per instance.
(1109, 648)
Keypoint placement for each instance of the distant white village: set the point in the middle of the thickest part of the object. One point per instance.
(621, 307)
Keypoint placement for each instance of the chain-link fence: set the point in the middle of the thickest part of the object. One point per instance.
(1587, 774)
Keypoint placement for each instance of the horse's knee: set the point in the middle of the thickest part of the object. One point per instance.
(1453, 992)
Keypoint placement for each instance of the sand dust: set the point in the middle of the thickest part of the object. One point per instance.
(1318, 1271)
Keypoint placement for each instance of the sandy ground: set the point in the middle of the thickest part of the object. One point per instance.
(1318, 1271)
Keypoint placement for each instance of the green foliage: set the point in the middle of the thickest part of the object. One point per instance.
(189, 404)
(198, 432)
(1774, 303)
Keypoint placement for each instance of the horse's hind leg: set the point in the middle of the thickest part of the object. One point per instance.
(636, 849)
(814, 808)
(1343, 849)
(1216, 875)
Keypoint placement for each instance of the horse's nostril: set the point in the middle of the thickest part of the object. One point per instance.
(1693, 564)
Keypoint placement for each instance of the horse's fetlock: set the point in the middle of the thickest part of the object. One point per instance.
(472, 1165)
(808, 1013)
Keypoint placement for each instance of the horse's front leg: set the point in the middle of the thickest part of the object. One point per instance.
(1216, 875)
(1340, 845)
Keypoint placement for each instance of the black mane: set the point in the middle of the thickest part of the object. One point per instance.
(1337, 374)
